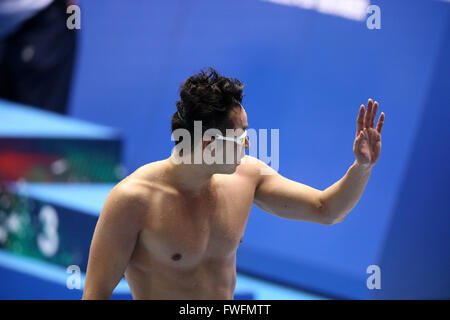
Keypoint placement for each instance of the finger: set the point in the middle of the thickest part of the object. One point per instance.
(376, 144)
(360, 119)
(374, 113)
(361, 137)
(363, 134)
(380, 122)
(358, 140)
(368, 113)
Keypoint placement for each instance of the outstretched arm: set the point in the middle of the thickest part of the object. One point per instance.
(340, 198)
(292, 200)
(288, 199)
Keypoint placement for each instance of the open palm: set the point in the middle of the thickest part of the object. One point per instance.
(367, 145)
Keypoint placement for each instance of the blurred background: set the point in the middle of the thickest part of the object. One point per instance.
(87, 90)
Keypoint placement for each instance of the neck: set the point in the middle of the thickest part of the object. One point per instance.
(189, 177)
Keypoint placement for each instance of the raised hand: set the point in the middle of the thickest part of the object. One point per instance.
(367, 145)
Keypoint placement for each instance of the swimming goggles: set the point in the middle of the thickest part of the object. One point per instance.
(239, 140)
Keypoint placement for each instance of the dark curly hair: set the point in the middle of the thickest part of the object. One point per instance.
(209, 97)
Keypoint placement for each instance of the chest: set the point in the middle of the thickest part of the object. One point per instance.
(185, 232)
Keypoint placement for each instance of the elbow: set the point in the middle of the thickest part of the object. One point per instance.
(337, 220)
(331, 220)
(328, 218)
(325, 217)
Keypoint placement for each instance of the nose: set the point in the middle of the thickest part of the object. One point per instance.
(247, 143)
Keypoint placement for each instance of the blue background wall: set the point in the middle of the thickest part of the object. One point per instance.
(306, 74)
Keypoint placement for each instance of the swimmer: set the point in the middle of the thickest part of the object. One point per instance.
(173, 228)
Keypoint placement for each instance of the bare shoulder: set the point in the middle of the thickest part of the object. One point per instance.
(131, 192)
(131, 195)
(255, 169)
(125, 202)
(145, 184)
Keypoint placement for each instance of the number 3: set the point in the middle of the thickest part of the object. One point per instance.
(48, 240)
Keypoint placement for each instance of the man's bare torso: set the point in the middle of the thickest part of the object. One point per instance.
(186, 248)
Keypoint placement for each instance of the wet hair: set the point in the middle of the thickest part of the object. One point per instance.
(209, 97)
